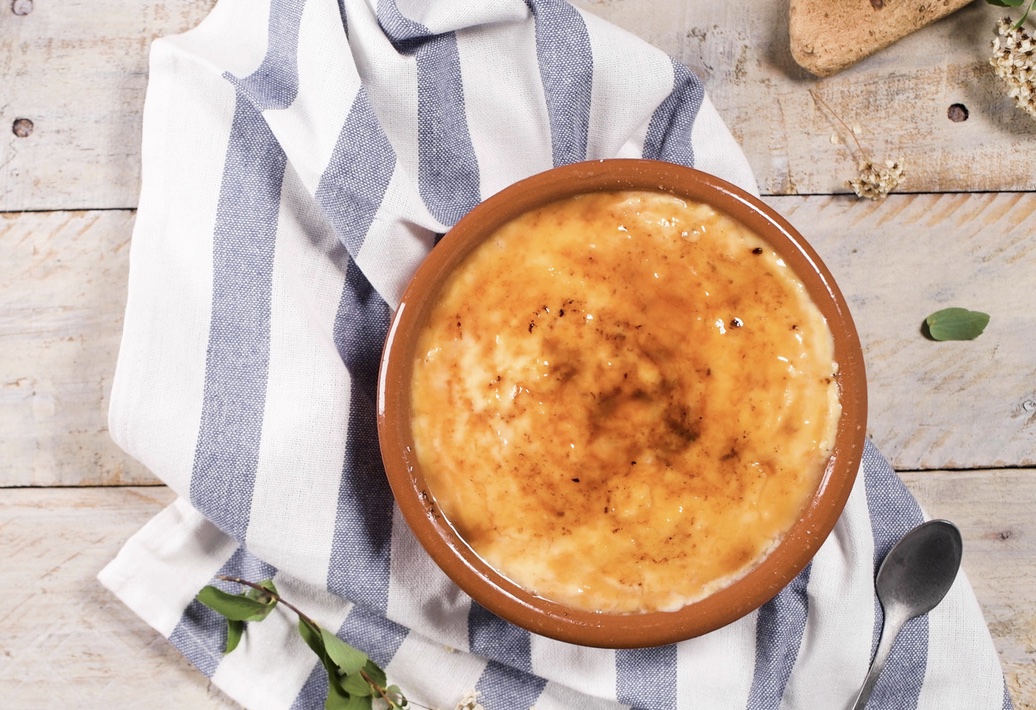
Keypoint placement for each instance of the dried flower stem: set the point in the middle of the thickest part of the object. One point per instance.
(873, 180)
(824, 105)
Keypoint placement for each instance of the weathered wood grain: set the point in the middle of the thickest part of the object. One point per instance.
(77, 70)
(899, 98)
(933, 405)
(66, 641)
(62, 298)
(58, 617)
(995, 511)
(950, 404)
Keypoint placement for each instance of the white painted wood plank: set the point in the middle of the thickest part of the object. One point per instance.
(950, 404)
(66, 641)
(62, 298)
(933, 405)
(996, 513)
(57, 615)
(898, 97)
(77, 70)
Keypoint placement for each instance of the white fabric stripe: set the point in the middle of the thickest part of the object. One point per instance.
(447, 17)
(390, 79)
(714, 671)
(619, 108)
(711, 141)
(954, 625)
(587, 670)
(161, 371)
(504, 102)
(257, 674)
(396, 241)
(634, 145)
(556, 696)
(836, 643)
(160, 569)
(432, 674)
(157, 392)
(308, 129)
(422, 597)
(247, 21)
(306, 398)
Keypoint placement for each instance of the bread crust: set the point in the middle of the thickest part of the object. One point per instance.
(829, 35)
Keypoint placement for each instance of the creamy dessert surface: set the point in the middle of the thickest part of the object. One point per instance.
(622, 401)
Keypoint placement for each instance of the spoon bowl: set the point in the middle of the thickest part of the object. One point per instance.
(913, 578)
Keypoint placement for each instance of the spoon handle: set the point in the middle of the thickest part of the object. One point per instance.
(893, 623)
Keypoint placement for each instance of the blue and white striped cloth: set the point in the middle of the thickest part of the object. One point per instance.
(300, 158)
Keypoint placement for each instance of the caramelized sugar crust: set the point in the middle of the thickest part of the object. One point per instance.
(623, 400)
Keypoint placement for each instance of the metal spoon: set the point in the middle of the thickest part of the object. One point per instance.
(912, 579)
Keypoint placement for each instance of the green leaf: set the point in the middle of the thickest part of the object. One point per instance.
(339, 699)
(311, 635)
(956, 324)
(353, 679)
(314, 636)
(235, 629)
(375, 673)
(396, 696)
(1006, 3)
(356, 684)
(263, 597)
(336, 699)
(358, 702)
(236, 607)
(348, 659)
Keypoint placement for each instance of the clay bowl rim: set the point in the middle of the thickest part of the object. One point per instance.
(497, 593)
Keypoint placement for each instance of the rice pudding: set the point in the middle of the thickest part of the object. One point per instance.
(622, 401)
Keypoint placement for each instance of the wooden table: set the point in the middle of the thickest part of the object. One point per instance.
(958, 419)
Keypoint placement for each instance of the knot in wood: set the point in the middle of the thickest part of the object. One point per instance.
(957, 113)
(22, 127)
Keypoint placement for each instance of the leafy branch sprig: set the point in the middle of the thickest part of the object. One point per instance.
(1015, 3)
(354, 680)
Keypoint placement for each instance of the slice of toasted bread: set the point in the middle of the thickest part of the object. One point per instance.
(829, 35)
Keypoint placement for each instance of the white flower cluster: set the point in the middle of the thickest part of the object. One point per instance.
(470, 701)
(875, 181)
(1014, 62)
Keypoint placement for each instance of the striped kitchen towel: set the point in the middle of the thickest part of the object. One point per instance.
(300, 158)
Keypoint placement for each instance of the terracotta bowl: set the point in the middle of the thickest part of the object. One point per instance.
(487, 586)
